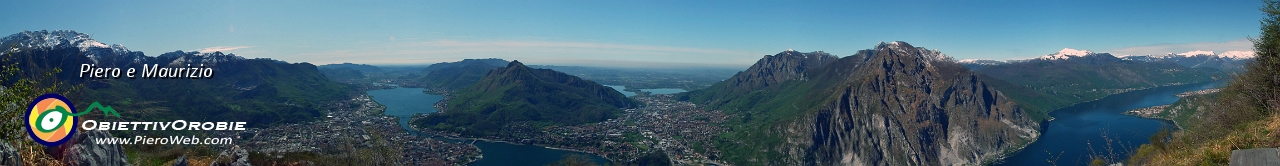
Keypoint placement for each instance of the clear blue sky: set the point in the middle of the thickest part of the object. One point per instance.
(640, 33)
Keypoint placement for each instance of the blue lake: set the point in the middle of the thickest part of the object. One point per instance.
(405, 102)
(622, 89)
(663, 91)
(1083, 130)
(1077, 132)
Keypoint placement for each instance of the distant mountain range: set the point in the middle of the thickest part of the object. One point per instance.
(895, 104)
(517, 93)
(258, 91)
(1072, 76)
(348, 72)
(358, 67)
(1230, 60)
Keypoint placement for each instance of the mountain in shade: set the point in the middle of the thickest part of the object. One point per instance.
(458, 75)
(466, 62)
(770, 71)
(517, 93)
(342, 74)
(1059, 83)
(258, 91)
(348, 72)
(1227, 61)
(980, 63)
(895, 104)
(363, 68)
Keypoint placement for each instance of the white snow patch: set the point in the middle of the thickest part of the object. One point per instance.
(92, 43)
(1237, 54)
(1066, 53)
(1197, 52)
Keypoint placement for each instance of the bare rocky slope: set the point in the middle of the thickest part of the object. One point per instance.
(892, 105)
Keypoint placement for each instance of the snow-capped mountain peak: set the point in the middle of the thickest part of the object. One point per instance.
(981, 62)
(1066, 53)
(1237, 54)
(1197, 53)
(52, 39)
(929, 55)
(62, 39)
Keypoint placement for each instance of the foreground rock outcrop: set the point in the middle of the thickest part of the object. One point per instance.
(235, 156)
(82, 150)
(9, 155)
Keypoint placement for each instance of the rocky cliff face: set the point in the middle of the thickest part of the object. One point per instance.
(9, 155)
(892, 105)
(910, 108)
(235, 156)
(772, 70)
(775, 69)
(81, 150)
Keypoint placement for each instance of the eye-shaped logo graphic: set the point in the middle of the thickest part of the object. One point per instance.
(51, 119)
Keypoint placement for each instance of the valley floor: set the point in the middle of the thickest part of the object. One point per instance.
(681, 130)
(357, 127)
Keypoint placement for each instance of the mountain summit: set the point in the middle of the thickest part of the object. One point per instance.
(56, 38)
(66, 39)
(517, 93)
(775, 69)
(895, 104)
(451, 76)
(1066, 53)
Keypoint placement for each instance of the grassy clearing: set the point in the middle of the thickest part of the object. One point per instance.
(1216, 151)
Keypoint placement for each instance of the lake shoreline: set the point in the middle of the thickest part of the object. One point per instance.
(1045, 125)
(1175, 123)
(504, 148)
(498, 152)
(461, 138)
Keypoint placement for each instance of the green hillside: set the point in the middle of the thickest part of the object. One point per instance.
(258, 91)
(458, 75)
(1059, 83)
(518, 93)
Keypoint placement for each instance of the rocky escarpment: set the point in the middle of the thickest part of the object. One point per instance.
(771, 70)
(9, 155)
(82, 150)
(775, 69)
(909, 106)
(235, 156)
(892, 105)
